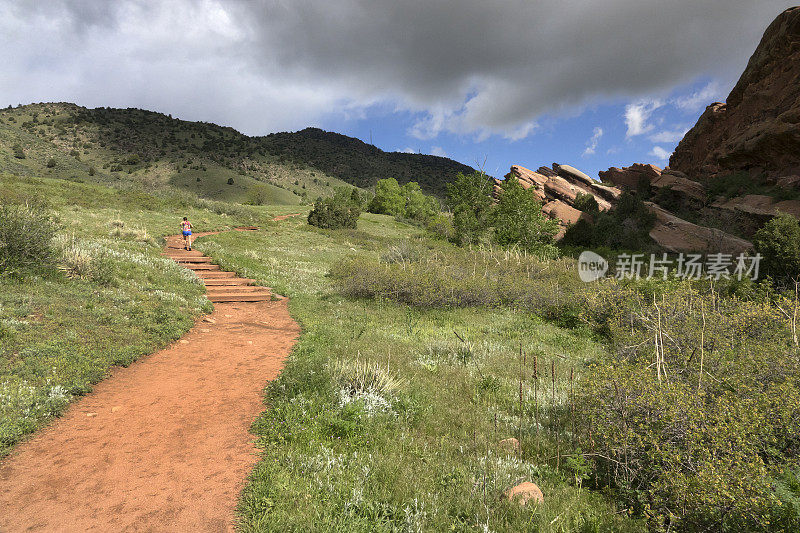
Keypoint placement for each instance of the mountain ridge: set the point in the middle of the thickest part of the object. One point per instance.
(211, 160)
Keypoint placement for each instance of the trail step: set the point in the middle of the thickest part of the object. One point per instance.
(202, 266)
(260, 296)
(192, 260)
(234, 289)
(221, 286)
(215, 274)
(216, 282)
(183, 253)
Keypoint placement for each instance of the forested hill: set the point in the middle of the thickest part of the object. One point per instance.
(360, 163)
(149, 147)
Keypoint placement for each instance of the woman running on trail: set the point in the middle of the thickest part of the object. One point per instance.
(186, 228)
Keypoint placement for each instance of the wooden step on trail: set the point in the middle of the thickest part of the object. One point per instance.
(217, 282)
(191, 259)
(221, 286)
(260, 296)
(214, 274)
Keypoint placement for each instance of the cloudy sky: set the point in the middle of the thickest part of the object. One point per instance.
(593, 83)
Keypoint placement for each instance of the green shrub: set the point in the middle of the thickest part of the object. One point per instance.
(388, 199)
(51, 163)
(587, 203)
(417, 205)
(779, 244)
(19, 153)
(336, 212)
(26, 238)
(518, 219)
(408, 201)
(469, 197)
(625, 227)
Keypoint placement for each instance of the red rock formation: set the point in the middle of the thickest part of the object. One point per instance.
(630, 177)
(677, 235)
(758, 128)
(557, 190)
(759, 205)
(693, 193)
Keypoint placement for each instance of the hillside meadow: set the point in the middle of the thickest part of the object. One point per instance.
(107, 299)
(390, 417)
(635, 404)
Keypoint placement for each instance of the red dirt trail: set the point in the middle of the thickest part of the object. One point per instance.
(162, 445)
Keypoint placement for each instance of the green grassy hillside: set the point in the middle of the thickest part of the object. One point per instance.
(115, 146)
(109, 298)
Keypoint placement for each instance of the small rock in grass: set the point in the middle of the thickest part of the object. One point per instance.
(510, 445)
(524, 492)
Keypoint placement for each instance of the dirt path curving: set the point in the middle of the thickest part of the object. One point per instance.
(284, 217)
(162, 445)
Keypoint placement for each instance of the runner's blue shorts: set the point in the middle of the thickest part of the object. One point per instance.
(187, 233)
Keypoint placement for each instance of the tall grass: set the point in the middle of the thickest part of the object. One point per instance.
(390, 417)
(693, 418)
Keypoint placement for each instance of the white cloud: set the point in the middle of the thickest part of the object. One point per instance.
(408, 150)
(591, 144)
(637, 115)
(660, 153)
(272, 64)
(438, 150)
(696, 101)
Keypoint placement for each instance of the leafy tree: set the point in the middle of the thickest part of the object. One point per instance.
(338, 211)
(518, 219)
(389, 199)
(779, 244)
(469, 197)
(626, 226)
(418, 205)
(586, 202)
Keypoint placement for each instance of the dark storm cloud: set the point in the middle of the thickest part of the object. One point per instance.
(471, 65)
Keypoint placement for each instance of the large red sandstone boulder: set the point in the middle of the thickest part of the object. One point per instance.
(529, 179)
(556, 209)
(545, 171)
(677, 235)
(572, 174)
(564, 186)
(758, 128)
(678, 182)
(759, 205)
(630, 177)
